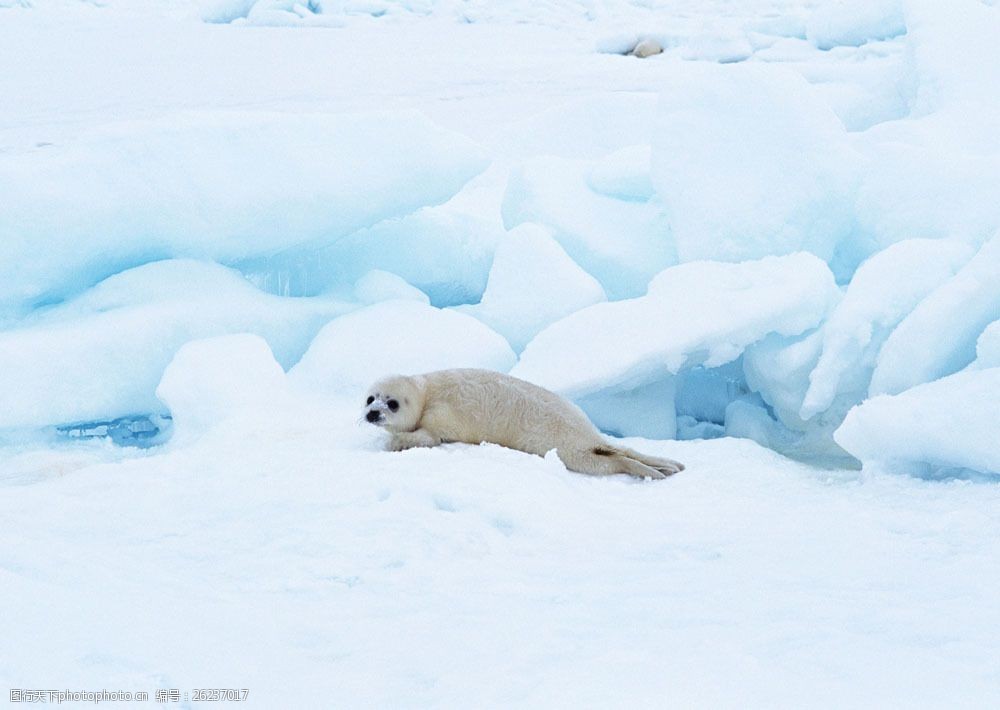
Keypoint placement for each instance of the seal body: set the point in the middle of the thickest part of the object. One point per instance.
(473, 406)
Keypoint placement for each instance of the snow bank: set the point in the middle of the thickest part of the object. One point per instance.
(939, 336)
(939, 428)
(221, 185)
(749, 162)
(884, 290)
(101, 355)
(988, 347)
(377, 286)
(532, 284)
(589, 127)
(396, 337)
(624, 174)
(702, 313)
(934, 175)
(445, 250)
(212, 379)
(622, 242)
(854, 22)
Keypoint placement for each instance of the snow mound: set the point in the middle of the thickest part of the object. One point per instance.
(212, 379)
(378, 285)
(749, 163)
(100, 356)
(622, 242)
(884, 290)
(854, 22)
(939, 336)
(947, 427)
(588, 127)
(701, 313)
(220, 185)
(533, 283)
(988, 347)
(624, 174)
(396, 337)
(934, 175)
(444, 250)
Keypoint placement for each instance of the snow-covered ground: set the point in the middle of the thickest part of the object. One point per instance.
(221, 218)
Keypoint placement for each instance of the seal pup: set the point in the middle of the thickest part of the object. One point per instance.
(475, 406)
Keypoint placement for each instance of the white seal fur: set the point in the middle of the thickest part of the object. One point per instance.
(474, 406)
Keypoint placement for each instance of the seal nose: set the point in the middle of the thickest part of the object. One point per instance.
(372, 416)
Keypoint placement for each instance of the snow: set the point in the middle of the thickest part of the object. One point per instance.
(532, 284)
(622, 242)
(310, 569)
(939, 336)
(223, 218)
(946, 427)
(220, 185)
(101, 355)
(988, 347)
(884, 290)
(402, 337)
(749, 162)
(205, 382)
(705, 313)
(854, 22)
(377, 285)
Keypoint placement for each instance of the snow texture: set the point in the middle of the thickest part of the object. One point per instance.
(220, 185)
(222, 219)
(532, 284)
(946, 427)
(396, 337)
(205, 383)
(101, 355)
(702, 313)
(622, 242)
(749, 162)
(939, 336)
(884, 290)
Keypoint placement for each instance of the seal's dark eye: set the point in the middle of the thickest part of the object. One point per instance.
(369, 400)
(393, 405)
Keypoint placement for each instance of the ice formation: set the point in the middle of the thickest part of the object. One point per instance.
(396, 337)
(749, 162)
(532, 284)
(223, 185)
(101, 355)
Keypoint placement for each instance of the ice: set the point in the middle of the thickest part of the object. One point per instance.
(884, 290)
(221, 185)
(854, 22)
(623, 175)
(943, 428)
(622, 242)
(100, 356)
(206, 383)
(273, 544)
(715, 44)
(749, 162)
(396, 337)
(532, 284)
(445, 251)
(589, 127)
(939, 336)
(934, 175)
(377, 286)
(701, 313)
(988, 347)
(647, 411)
(778, 368)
